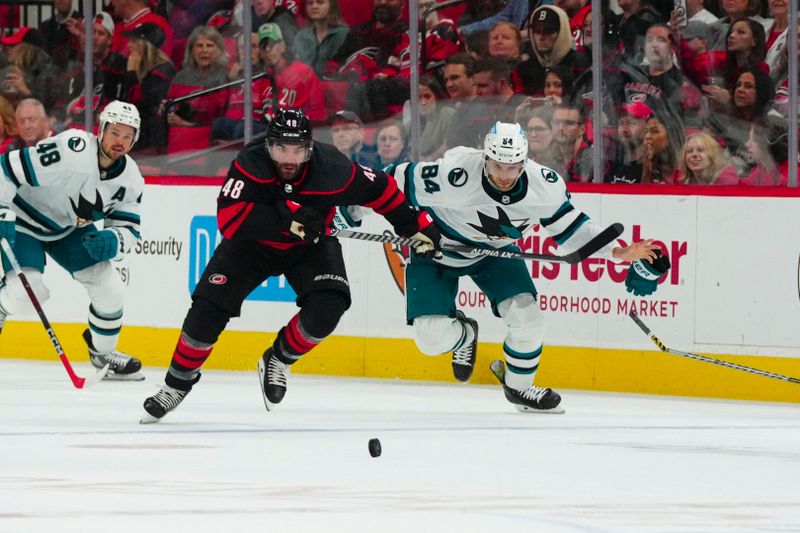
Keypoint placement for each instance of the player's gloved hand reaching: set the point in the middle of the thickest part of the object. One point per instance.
(307, 224)
(103, 245)
(430, 242)
(643, 276)
(8, 228)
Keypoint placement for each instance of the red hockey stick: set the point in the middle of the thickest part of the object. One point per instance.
(77, 381)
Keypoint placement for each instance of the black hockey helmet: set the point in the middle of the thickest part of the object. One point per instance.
(289, 126)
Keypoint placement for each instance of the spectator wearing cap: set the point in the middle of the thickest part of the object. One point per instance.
(109, 71)
(316, 44)
(626, 167)
(147, 80)
(551, 41)
(8, 125)
(205, 65)
(134, 13)
(31, 72)
(696, 12)
(33, 124)
(702, 161)
(347, 135)
(58, 40)
(291, 83)
(266, 11)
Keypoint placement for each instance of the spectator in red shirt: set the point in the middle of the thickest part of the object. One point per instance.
(295, 83)
(134, 13)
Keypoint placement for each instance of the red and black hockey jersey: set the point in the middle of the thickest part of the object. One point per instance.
(255, 204)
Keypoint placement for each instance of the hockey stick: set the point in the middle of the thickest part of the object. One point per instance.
(705, 359)
(598, 242)
(77, 381)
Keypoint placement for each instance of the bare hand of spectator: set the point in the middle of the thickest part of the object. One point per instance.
(235, 71)
(75, 27)
(717, 96)
(675, 24)
(15, 81)
(174, 120)
(134, 60)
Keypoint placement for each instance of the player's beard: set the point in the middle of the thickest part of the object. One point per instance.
(288, 171)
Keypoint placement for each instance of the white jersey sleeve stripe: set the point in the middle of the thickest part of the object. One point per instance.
(8, 171)
(27, 167)
(16, 165)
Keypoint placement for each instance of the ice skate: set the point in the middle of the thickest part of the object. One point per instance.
(161, 403)
(121, 367)
(272, 377)
(533, 399)
(464, 356)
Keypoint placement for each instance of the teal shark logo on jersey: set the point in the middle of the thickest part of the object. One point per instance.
(501, 227)
(76, 144)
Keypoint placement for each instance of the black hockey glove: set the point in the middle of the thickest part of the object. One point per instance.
(307, 224)
(430, 246)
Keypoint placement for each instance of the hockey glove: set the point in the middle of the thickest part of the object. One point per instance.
(103, 245)
(307, 224)
(643, 277)
(8, 228)
(430, 243)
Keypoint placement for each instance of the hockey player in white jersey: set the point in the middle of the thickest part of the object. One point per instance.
(51, 196)
(488, 199)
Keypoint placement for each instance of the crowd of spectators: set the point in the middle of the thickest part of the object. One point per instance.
(695, 99)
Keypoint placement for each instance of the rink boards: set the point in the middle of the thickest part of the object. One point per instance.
(733, 293)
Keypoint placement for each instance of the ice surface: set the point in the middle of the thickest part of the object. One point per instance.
(455, 458)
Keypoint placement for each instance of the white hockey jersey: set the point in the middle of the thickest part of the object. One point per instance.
(45, 183)
(468, 210)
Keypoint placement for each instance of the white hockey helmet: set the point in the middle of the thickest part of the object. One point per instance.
(118, 112)
(506, 143)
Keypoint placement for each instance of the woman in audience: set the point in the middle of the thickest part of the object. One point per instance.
(732, 10)
(147, 81)
(535, 116)
(768, 147)
(8, 125)
(31, 72)
(751, 103)
(716, 71)
(435, 117)
(204, 65)
(703, 162)
(319, 42)
(505, 42)
(392, 143)
(558, 83)
(781, 78)
(661, 147)
(776, 31)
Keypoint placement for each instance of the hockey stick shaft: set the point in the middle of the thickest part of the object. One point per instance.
(706, 359)
(591, 247)
(77, 381)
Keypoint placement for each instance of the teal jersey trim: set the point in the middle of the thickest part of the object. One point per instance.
(523, 355)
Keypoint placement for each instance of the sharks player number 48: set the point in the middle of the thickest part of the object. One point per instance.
(488, 199)
(51, 197)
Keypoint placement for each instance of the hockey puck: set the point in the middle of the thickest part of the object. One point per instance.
(374, 447)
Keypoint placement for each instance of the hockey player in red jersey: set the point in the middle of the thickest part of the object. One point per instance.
(273, 212)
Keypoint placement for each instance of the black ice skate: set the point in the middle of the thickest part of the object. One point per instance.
(272, 375)
(533, 399)
(464, 357)
(121, 367)
(161, 403)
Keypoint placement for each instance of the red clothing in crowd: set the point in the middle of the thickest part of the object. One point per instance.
(119, 42)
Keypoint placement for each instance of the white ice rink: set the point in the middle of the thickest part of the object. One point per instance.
(455, 458)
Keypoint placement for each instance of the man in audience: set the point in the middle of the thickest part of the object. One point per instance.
(265, 11)
(696, 12)
(571, 147)
(629, 157)
(458, 83)
(496, 101)
(576, 10)
(58, 41)
(347, 134)
(33, 124)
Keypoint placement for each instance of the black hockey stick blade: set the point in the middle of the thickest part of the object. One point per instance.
(602, 239)
(706, 359)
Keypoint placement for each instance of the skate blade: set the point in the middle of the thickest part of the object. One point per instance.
(136, 376)
(557, 410)
(147, 418)
(262, 375)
